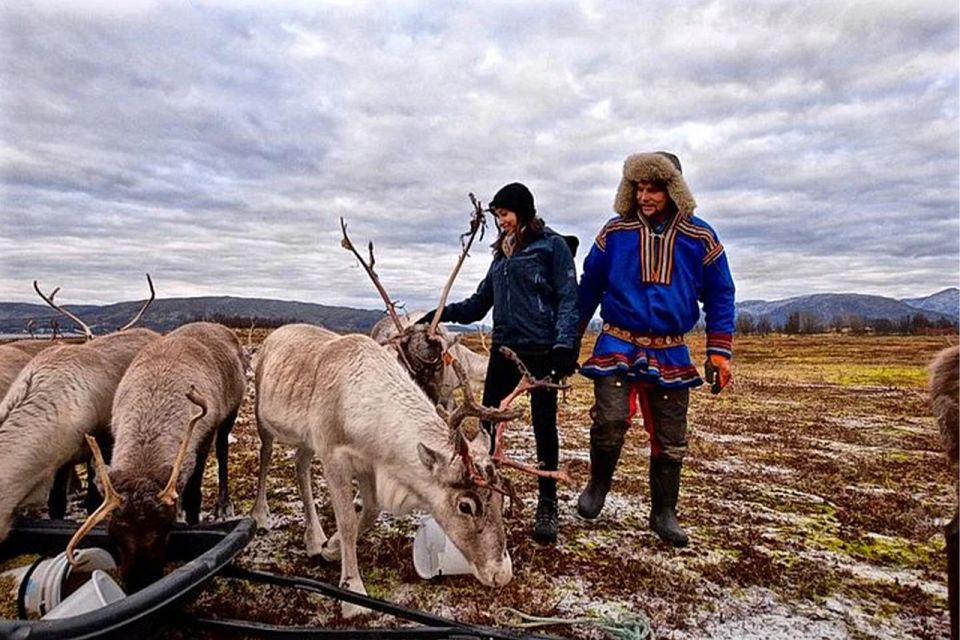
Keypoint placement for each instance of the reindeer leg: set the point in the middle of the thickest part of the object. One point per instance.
(57, 500)
(261, 512)
(191, 491)
(313, 535)
(224, 505)
(368, 516)
(338, 475)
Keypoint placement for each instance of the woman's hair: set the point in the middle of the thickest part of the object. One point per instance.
(524, 233)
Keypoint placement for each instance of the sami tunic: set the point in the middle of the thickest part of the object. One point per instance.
(650, 281)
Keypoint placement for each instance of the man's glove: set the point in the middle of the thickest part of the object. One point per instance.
(563, 362)
(717, 371)
(428, 317)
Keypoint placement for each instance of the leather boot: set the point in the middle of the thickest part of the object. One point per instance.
(545, 525)
(664, 491)
(604, 454)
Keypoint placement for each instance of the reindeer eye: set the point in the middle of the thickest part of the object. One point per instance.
(467, 506)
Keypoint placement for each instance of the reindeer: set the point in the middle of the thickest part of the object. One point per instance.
(58, 397)
(944, 388)
(424, 350)
(474, 364)
(12, 360)
(349, 402)
(159, 452)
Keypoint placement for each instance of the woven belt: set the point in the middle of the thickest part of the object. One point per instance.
(642, 339)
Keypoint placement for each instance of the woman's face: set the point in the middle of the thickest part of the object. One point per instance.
(506, 219)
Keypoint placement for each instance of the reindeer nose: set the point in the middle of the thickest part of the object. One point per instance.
(505, 573)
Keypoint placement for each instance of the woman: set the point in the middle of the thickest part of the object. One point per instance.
(532, 287)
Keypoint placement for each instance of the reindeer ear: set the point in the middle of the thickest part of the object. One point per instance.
(430, 458)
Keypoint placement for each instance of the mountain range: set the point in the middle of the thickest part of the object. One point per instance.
(166, 314)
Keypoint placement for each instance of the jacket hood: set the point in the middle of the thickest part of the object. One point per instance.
(653, 167)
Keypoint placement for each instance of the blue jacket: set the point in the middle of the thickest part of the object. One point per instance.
(533, 294)
(651, 282)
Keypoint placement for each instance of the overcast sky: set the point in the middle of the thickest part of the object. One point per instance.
(215, 144)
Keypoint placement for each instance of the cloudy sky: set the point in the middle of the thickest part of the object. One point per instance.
(215, 144)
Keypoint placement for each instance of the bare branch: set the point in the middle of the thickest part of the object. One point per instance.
(153, 294)
(49, 300)
(477, 224)
(348, 245)
(169, 494)
(111, 500)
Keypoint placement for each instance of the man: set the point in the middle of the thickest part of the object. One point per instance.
(647, 270)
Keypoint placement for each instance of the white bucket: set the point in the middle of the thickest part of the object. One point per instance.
(434, 554)
(99, 591)
(43, 590)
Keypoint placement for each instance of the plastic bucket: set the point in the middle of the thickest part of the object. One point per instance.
(42, 588)
(99, 591)
(434, 554)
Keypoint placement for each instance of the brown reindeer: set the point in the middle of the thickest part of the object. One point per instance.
(944, 397)
(160, 450)
(59, 396)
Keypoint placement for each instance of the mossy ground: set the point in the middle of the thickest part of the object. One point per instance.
(814, 493)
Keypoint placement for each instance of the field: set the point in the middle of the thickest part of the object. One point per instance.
(814, 493)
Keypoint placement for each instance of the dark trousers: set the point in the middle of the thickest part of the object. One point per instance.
(664, 412)
(502, 378)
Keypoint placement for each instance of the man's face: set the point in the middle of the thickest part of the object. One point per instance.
(652, 199)
(506, 219)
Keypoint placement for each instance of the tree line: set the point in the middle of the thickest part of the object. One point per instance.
(800, 323)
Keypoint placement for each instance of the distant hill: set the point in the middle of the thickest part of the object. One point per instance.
(826, 306)
(946, 302)
(169, 313)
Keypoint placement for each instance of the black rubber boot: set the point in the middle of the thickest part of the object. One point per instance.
(603, 460)
(664, 491)
(545, 526)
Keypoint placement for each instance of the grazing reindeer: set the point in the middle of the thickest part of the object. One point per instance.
(944, 398)
(159, 453)
(59, 396)
(424, 350)
(348, 401)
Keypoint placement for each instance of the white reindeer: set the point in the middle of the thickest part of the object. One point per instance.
(349, 402)
(152, 430)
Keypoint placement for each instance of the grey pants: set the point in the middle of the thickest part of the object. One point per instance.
(664, 412)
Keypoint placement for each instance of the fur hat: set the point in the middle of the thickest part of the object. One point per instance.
(517, 198)
(661, 167)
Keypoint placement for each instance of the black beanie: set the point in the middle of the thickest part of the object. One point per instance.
(517, 198)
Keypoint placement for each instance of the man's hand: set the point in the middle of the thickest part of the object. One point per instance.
(718, 373)
(563, 362)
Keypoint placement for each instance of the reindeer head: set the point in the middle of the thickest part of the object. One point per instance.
(141, 517)
(140, 528)
(471, 513)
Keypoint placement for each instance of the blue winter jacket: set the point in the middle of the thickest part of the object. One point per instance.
(533, 294)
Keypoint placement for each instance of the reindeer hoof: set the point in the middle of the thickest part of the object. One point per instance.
(349, 609)
(315, 545)
(330, 550)
(224, 511)
(263, 520)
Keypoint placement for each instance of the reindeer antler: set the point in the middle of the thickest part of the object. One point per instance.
(478, 223)
(348, 245)
(153, 294)
(169, 494)
(111, 500)
(49, 300)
